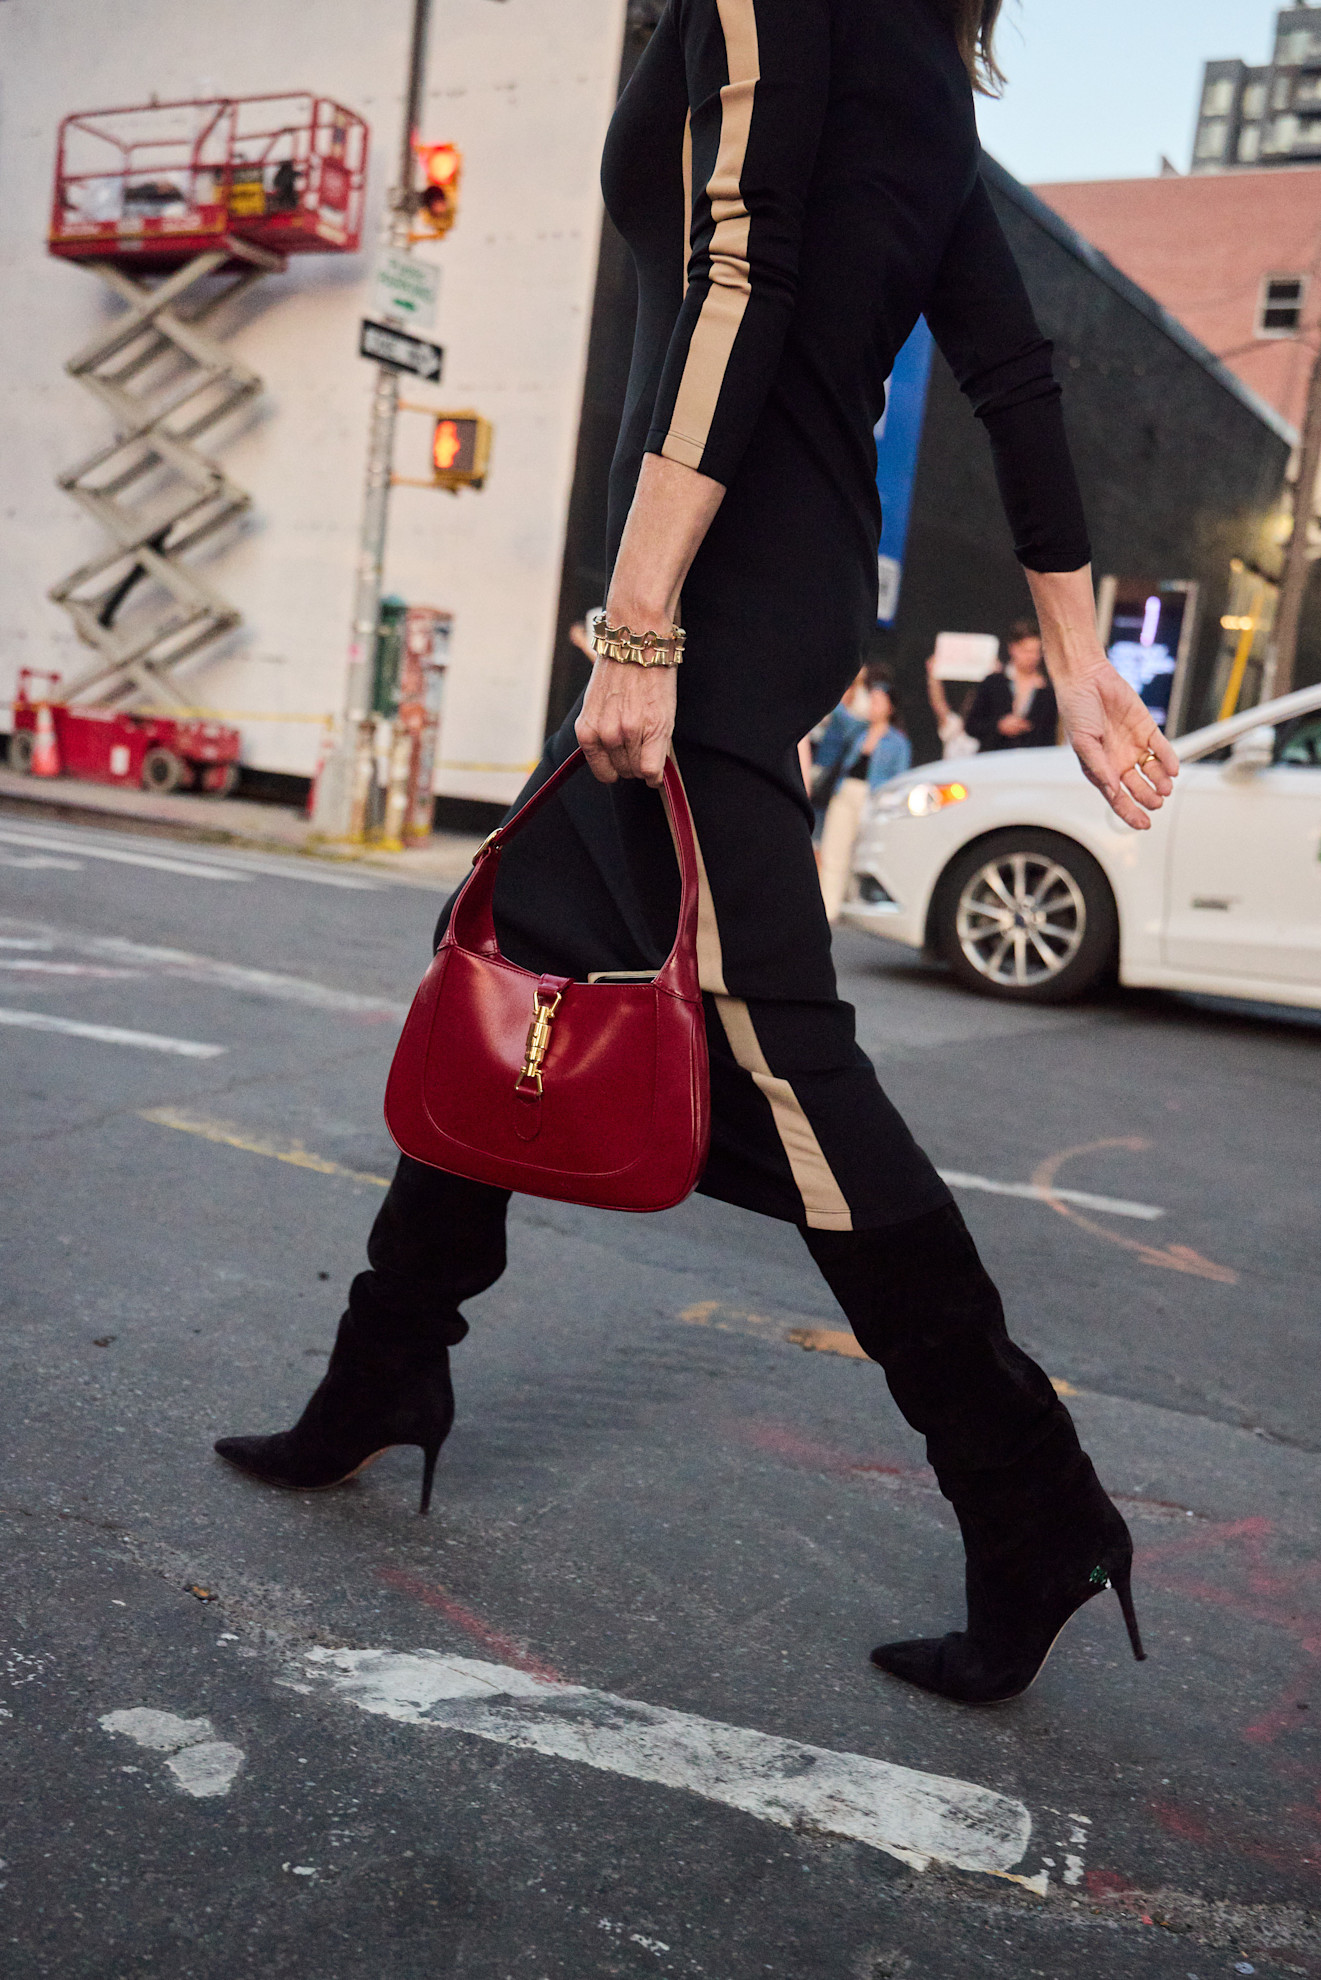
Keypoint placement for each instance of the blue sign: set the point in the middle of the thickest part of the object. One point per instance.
(898, 438)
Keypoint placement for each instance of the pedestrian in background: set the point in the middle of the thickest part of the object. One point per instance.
(857, 755)
(951, 723)
(1016, 708)
(853, 706)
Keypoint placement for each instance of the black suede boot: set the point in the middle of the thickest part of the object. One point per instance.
(438, 1239)
(1040, 1535)
(1041, 1539)
(366, 1402)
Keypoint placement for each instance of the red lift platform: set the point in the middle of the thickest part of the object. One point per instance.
(152, 185)
(178, 208)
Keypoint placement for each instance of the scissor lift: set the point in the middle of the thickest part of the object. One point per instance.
(179, 208)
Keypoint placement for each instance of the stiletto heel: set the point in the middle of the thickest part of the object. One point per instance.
(366, 1403)
(430, 1452)
(1039, 1545)
(1121, 1582)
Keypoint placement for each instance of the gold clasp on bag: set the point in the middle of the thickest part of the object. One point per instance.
(538, 1040)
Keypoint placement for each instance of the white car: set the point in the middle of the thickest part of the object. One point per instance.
(1014, 870)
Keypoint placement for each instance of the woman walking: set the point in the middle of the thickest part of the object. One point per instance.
(857, 755)
(797, 180)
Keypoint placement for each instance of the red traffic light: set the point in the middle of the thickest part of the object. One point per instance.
(437, 204)
(441, 163)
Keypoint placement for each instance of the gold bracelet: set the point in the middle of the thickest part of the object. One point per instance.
(648, 649)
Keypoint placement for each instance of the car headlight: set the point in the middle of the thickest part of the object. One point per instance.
(919, 800)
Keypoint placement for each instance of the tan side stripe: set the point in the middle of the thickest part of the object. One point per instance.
(731, 285)
(824, 1203)
(687, 195)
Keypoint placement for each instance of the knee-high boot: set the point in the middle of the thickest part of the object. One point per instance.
(437, 1241)
(1040, 1535)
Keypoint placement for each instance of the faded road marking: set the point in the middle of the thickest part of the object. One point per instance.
(468, 1621)
(188, 869)
(111, 1034)
(1114, 1206)
(1174, 1257)
(231, 1136)
(827, 1340)
(210, 863)
(181, 963)
(201, 1764)
(919, 1818)
(37, 966)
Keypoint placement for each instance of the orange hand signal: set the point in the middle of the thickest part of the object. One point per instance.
(446, 446)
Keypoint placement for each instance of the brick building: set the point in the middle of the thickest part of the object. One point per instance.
(1236, 256)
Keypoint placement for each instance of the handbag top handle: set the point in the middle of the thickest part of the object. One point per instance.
(472, 925)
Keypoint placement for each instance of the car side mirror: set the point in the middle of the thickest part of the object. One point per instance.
(1252, 751)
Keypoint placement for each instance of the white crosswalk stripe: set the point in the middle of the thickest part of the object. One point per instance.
(111, 1034)
(920, 1818)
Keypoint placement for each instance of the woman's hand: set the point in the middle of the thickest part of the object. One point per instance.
(627, 720)
(1112, 729)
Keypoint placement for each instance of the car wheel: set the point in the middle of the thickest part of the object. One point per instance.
(162, 770)
(21, 745)
(1026, 915)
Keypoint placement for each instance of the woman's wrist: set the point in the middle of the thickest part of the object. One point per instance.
(637, 612)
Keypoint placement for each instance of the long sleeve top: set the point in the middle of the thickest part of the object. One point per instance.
(823, 154)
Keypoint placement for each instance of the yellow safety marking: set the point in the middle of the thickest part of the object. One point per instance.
(827, 1340)
(1174, 1257)
(232, 1136)
(818, 1340)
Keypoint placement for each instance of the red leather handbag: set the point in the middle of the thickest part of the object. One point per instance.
(594, 1093)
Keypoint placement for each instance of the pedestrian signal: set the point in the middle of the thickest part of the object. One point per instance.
(460, 450)
(438, 201)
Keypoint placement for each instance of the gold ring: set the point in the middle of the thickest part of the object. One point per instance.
(1143, 761)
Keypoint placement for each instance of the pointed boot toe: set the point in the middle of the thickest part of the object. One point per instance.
(918, 1661)
(280, 1460)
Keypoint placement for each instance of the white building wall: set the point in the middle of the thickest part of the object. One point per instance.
(525, 88)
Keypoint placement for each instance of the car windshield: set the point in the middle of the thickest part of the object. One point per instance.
(1300, 741)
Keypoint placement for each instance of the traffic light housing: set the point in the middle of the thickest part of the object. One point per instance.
(460, 450)
(437, 202)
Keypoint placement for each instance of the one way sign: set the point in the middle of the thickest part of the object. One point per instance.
(400, 351)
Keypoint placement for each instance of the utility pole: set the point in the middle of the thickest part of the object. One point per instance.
(1297, 560)
(344, 782)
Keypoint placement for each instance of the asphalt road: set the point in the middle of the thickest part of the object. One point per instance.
(654, 1490)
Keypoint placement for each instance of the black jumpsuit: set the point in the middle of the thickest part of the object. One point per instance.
(797, 180)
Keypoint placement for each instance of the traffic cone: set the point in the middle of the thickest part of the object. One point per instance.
(45, 749)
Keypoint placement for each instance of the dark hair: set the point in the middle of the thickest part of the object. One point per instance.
(974, 22)
(878, 675)
(1022, 629)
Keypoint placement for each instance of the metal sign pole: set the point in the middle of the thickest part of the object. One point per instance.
(342, 789)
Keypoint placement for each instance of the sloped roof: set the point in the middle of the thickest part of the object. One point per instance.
(1044, 216)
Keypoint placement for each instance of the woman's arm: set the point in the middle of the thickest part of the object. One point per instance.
(981, 317)
(628, 713)
(758, 78)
